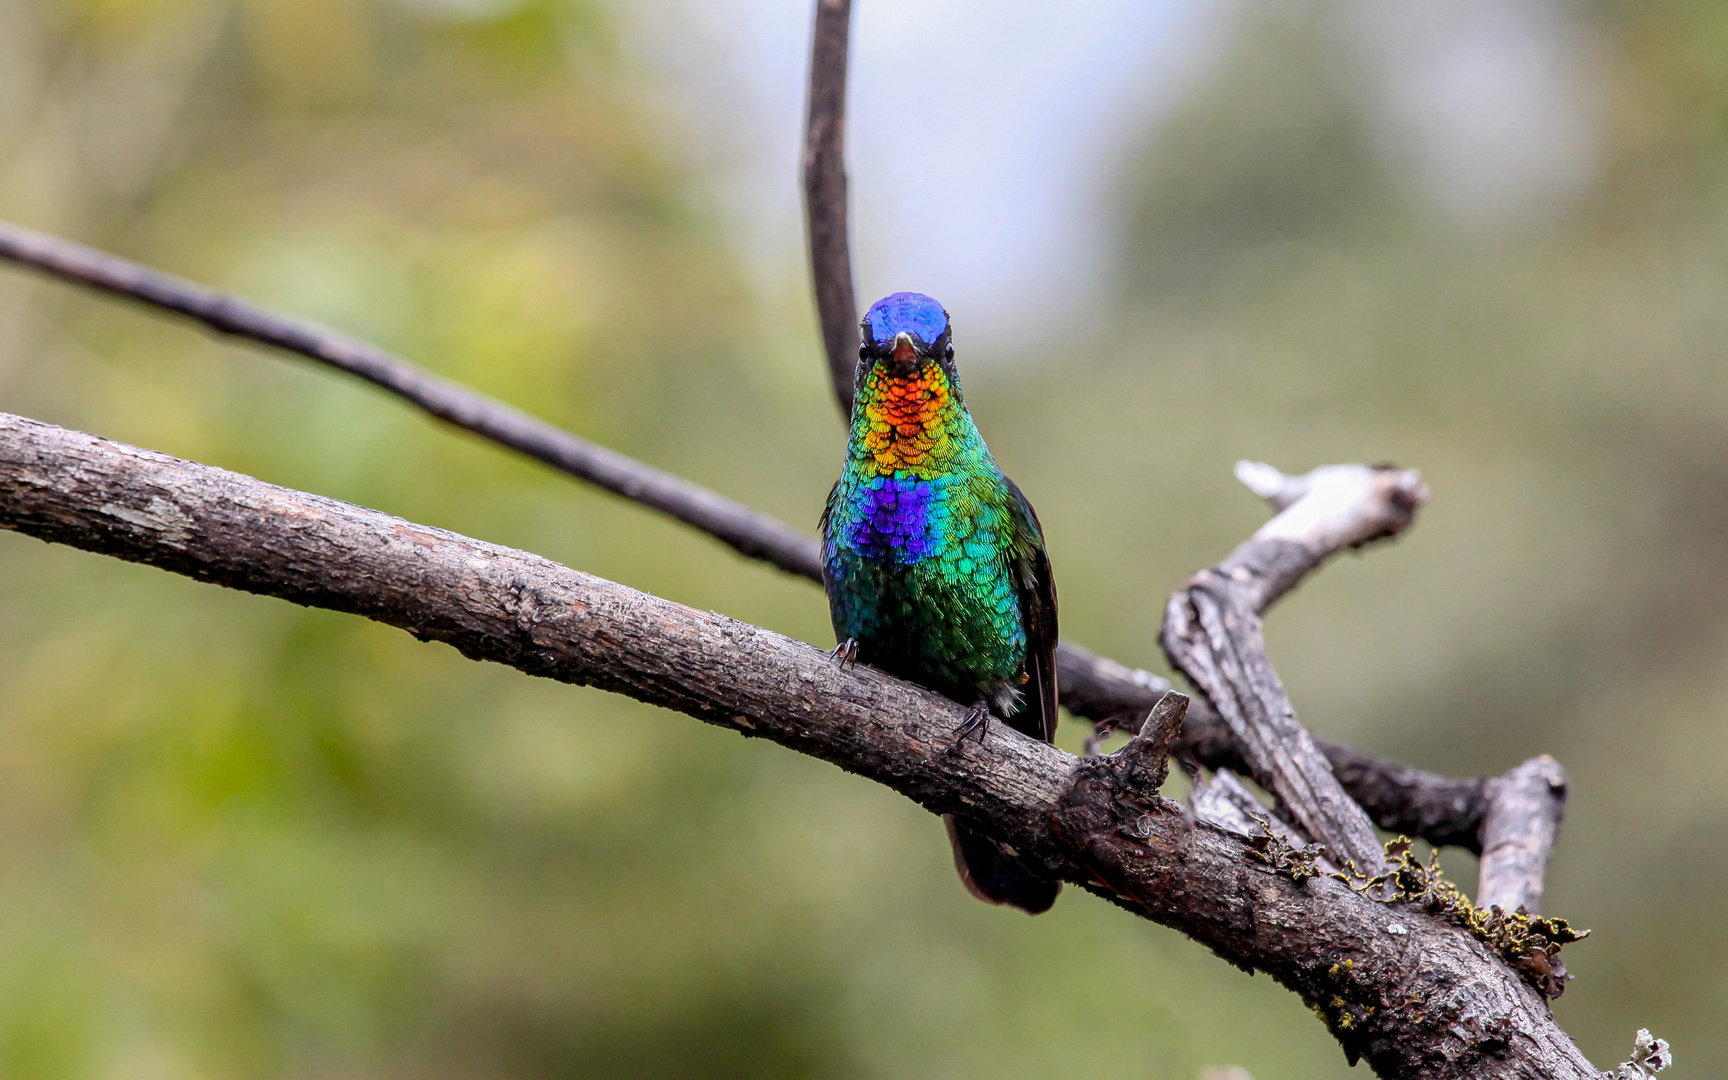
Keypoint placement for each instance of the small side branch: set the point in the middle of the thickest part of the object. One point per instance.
(825, 195)
(1215, 640)
(1524, 810)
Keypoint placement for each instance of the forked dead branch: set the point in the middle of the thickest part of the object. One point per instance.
(1411, 994)
(1411, 991)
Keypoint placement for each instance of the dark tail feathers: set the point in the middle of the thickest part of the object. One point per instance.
(996, 877)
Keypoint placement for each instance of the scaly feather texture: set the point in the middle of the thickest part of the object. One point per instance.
(934, 562)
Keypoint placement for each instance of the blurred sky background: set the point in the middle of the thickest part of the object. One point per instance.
(241, 839)
(987, 139)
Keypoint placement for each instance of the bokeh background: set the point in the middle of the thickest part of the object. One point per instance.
(240, 839)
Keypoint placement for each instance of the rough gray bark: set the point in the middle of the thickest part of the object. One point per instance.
(1214, 639)
(1440, 810)
(1414, 996)
(1223, 801)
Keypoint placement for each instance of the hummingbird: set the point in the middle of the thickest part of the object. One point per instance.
(934, 563)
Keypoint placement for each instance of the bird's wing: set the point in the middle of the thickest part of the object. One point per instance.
(828, 509)
(822, 527)
(1037, 588)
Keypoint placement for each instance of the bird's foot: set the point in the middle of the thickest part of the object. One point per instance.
(846, 652)
(977, 719)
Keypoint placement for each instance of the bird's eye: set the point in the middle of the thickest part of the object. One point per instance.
(948, 353)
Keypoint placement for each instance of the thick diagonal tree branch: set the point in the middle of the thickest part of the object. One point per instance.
(1441, 810)
(1414, 996)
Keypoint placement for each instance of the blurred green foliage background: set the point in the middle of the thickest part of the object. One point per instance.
(240, 839)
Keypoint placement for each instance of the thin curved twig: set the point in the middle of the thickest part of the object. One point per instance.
(825, 195)
(747, 531)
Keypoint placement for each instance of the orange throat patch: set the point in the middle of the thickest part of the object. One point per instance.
(907, 416)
